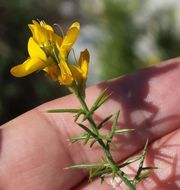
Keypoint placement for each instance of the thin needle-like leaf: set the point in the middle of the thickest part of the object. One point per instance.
(138, 176)
(87, 130)
(129, 161)
(99, 101)
(123, 131)
(104, 121)
(114, 125)
(96, 165)
(77, 138)
(64, 111)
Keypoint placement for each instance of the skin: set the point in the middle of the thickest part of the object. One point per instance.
(35, 147)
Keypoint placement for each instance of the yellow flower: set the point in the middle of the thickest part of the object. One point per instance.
(66, 77)
(75, 72)
(44, 34)
(38, 60)
(80, 70)
(68, 41)
(46, 49)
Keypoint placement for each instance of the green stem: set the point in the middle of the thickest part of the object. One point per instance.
(126, 181)
(114, 167)
(105, 147)
(86, 109)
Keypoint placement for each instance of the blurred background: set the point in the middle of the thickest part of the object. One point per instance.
(121, 35)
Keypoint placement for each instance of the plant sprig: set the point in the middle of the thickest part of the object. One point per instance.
(49, 52)
(93, 133)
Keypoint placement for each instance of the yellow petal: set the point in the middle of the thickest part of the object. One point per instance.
(44, 34)
(32, 28)
(42, 24)
(52, 72)
(65, 77)
(80, 71)
(76, 25)
(40, 34)
(35, 51)
(57, 39)
(46, 26)
(52, 69)
(77, 73)
(35, 23)
(70, 38)
(35, 29)
(84, 63)
(29, 66)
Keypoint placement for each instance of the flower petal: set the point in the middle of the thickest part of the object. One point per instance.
(29, 66)
(35, 51)
(46, 26)
(77, 73)
(52, 69)
(40, 34)
(56, 39)
(84, 63)
(43, 34)
(65, 77)
(70, 38)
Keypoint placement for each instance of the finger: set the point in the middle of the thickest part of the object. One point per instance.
(146, 104)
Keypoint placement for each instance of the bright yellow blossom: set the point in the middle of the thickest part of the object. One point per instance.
(37, 60)
(48, 51)
(80, 70)
(75, 72)
(68, 41)
(66, 77)
(44, 35)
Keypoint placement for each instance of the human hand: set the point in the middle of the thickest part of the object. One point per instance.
(34, 146)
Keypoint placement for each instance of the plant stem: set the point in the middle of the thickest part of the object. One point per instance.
(105, 148)
(86, 109)
(126, 181)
